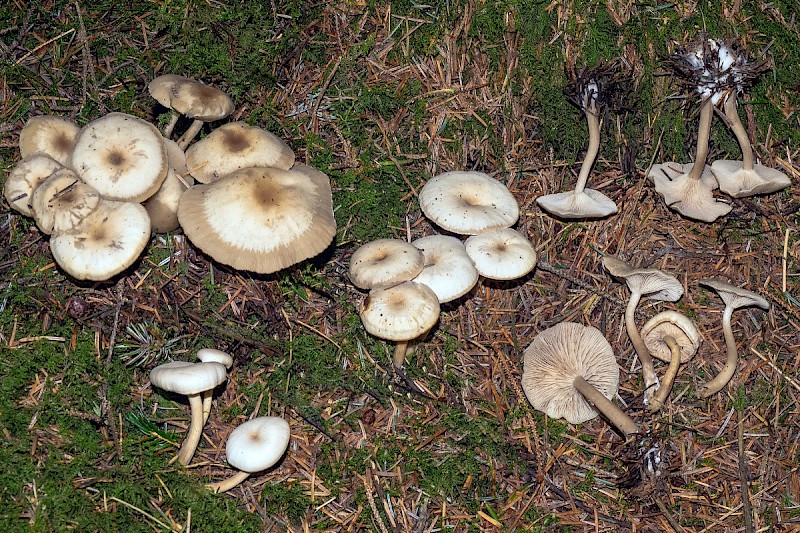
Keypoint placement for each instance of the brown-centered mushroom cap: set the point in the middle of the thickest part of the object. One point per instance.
(400, 313)
(384, 262)
(49, 135)
(502, 254)
(448, 270)
(25, 177)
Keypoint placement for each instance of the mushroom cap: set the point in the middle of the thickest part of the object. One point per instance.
(104, 243)
(212, 355)
(49, 135)
(555, 358)
(501, 254)
(654, 283)
(690, 197)
(468, 203)
(25, 177)
(448, 270)
(163, 205)
(258, 443)
(400, 313)
(587, 204)
(234, 146)
(188, 378)
(384, 262)
(199, 101)
(734, 296)
(161, 87)
(735, 181)
(121, 156)
(62, 201)
(176, 157)
(671, 324)
(260, 219)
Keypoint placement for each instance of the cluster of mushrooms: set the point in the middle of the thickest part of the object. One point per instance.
(99, 191)
(252, 447)
(408, 282)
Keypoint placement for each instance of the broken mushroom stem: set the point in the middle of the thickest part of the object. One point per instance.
(593, 120)
(651, 384)
(610, 410)
(658, 399)
(732, 115)
(703, 134)
(716, 384)
(227, 484)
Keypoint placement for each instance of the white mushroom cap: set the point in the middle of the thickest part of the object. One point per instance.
(675, 325)
(260, 219)
(734, 180)
(448, 270)
(258, 443)
(212, 355)
(121, 156)
(691, 198)
(187, 378)
(49, 135)
(736, 297)
(383, 263)
(24, 178)
(654, 283)
(552, 361)
(104, 243)
(400, 313)
(501, 254)
(234, 146)
(468, 202)
(573, 205)
(62, 201)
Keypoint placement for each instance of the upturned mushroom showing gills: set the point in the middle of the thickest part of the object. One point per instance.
(655, 284)
(734, 298)
(570, 372)
(589, 90)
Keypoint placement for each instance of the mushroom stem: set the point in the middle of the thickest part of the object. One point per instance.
(591, 153)
(614, 414)
(400, 350)
(658, 399)
(651, 384)
(207, 397)
(171, 124)
(703, 133)
(192, 438)
(716, 384)
(737, 127)
(190, 134)
(227, 484)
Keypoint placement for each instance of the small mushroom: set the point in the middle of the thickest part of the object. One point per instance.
(25, 177)
(734, 298)
(501, 254)
(383, 263)
(448, 270)
(48, 135)
(570, 372)
(252, 447)
(62, 201)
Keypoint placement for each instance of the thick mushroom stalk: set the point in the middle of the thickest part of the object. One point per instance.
(192, 438)
(610, 410)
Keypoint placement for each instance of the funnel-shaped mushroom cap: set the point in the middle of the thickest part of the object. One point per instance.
(121, 156)
(501, 254)
(258, 443)
(260, 219)
(734, 296)
(734, 180)
(62, 201)
(652, 282)
(188, 378)
(211, 355)
(587, 204)
(24, 178)
(675, 325)
(448, 270)
(468, 202)
(691, 198)
(384, 262)
(555, 358)
(104, 243)
(400, 313)
(49, 135)
(233, 146)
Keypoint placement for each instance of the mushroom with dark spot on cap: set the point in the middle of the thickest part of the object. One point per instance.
(501, 254)
(48, 135)
(383, 263)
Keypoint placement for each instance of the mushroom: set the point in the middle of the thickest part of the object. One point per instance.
(589, 90)
(25, 177)
(48, 135)
(252, 447)
(383, 263)
(669, 336)
(501, 254)
(570, 372)
(400, 313)
(62, 201)
(212, 355)
(468, 203)
(161, 88)
(655, 284)
(191, 379)
(448, 270)
(734, 298)
(163, 205)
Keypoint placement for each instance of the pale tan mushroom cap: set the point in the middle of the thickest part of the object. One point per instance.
(501, 254)
(105, 243)
(383, 263)
(690, 197)
(448, 270)
(675, 325)
(576, 205)
(400, 313)
(163, 205)
(650, 282)
(234, 146)
(162, 87)
(258, 444)
(121, 156)
(49, 135)
(737, 182)
(24, 178)
(199, 101)
(468, 203)
(62, 201)
(552, 361)
(260, 219)
(734, 296)
(187, 378)
(176, 157)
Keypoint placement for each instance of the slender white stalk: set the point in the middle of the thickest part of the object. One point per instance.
(192, 438)
(703, 134)
(727, 372)
(591, 153)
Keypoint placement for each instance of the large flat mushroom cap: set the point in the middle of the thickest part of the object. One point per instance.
(448, 270)
(501, 254)
(121, 156)
(188, 378)
(25, 177)
(654, 283)
(62, 201)
(574, 205)
(690, 197)
(383, 263)
(260, 219)
(468, 203)
(400, 313)
(258, 444)
(734, 180)
(555, 358)
(675, 325)
(49, 135)
(734, 296)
